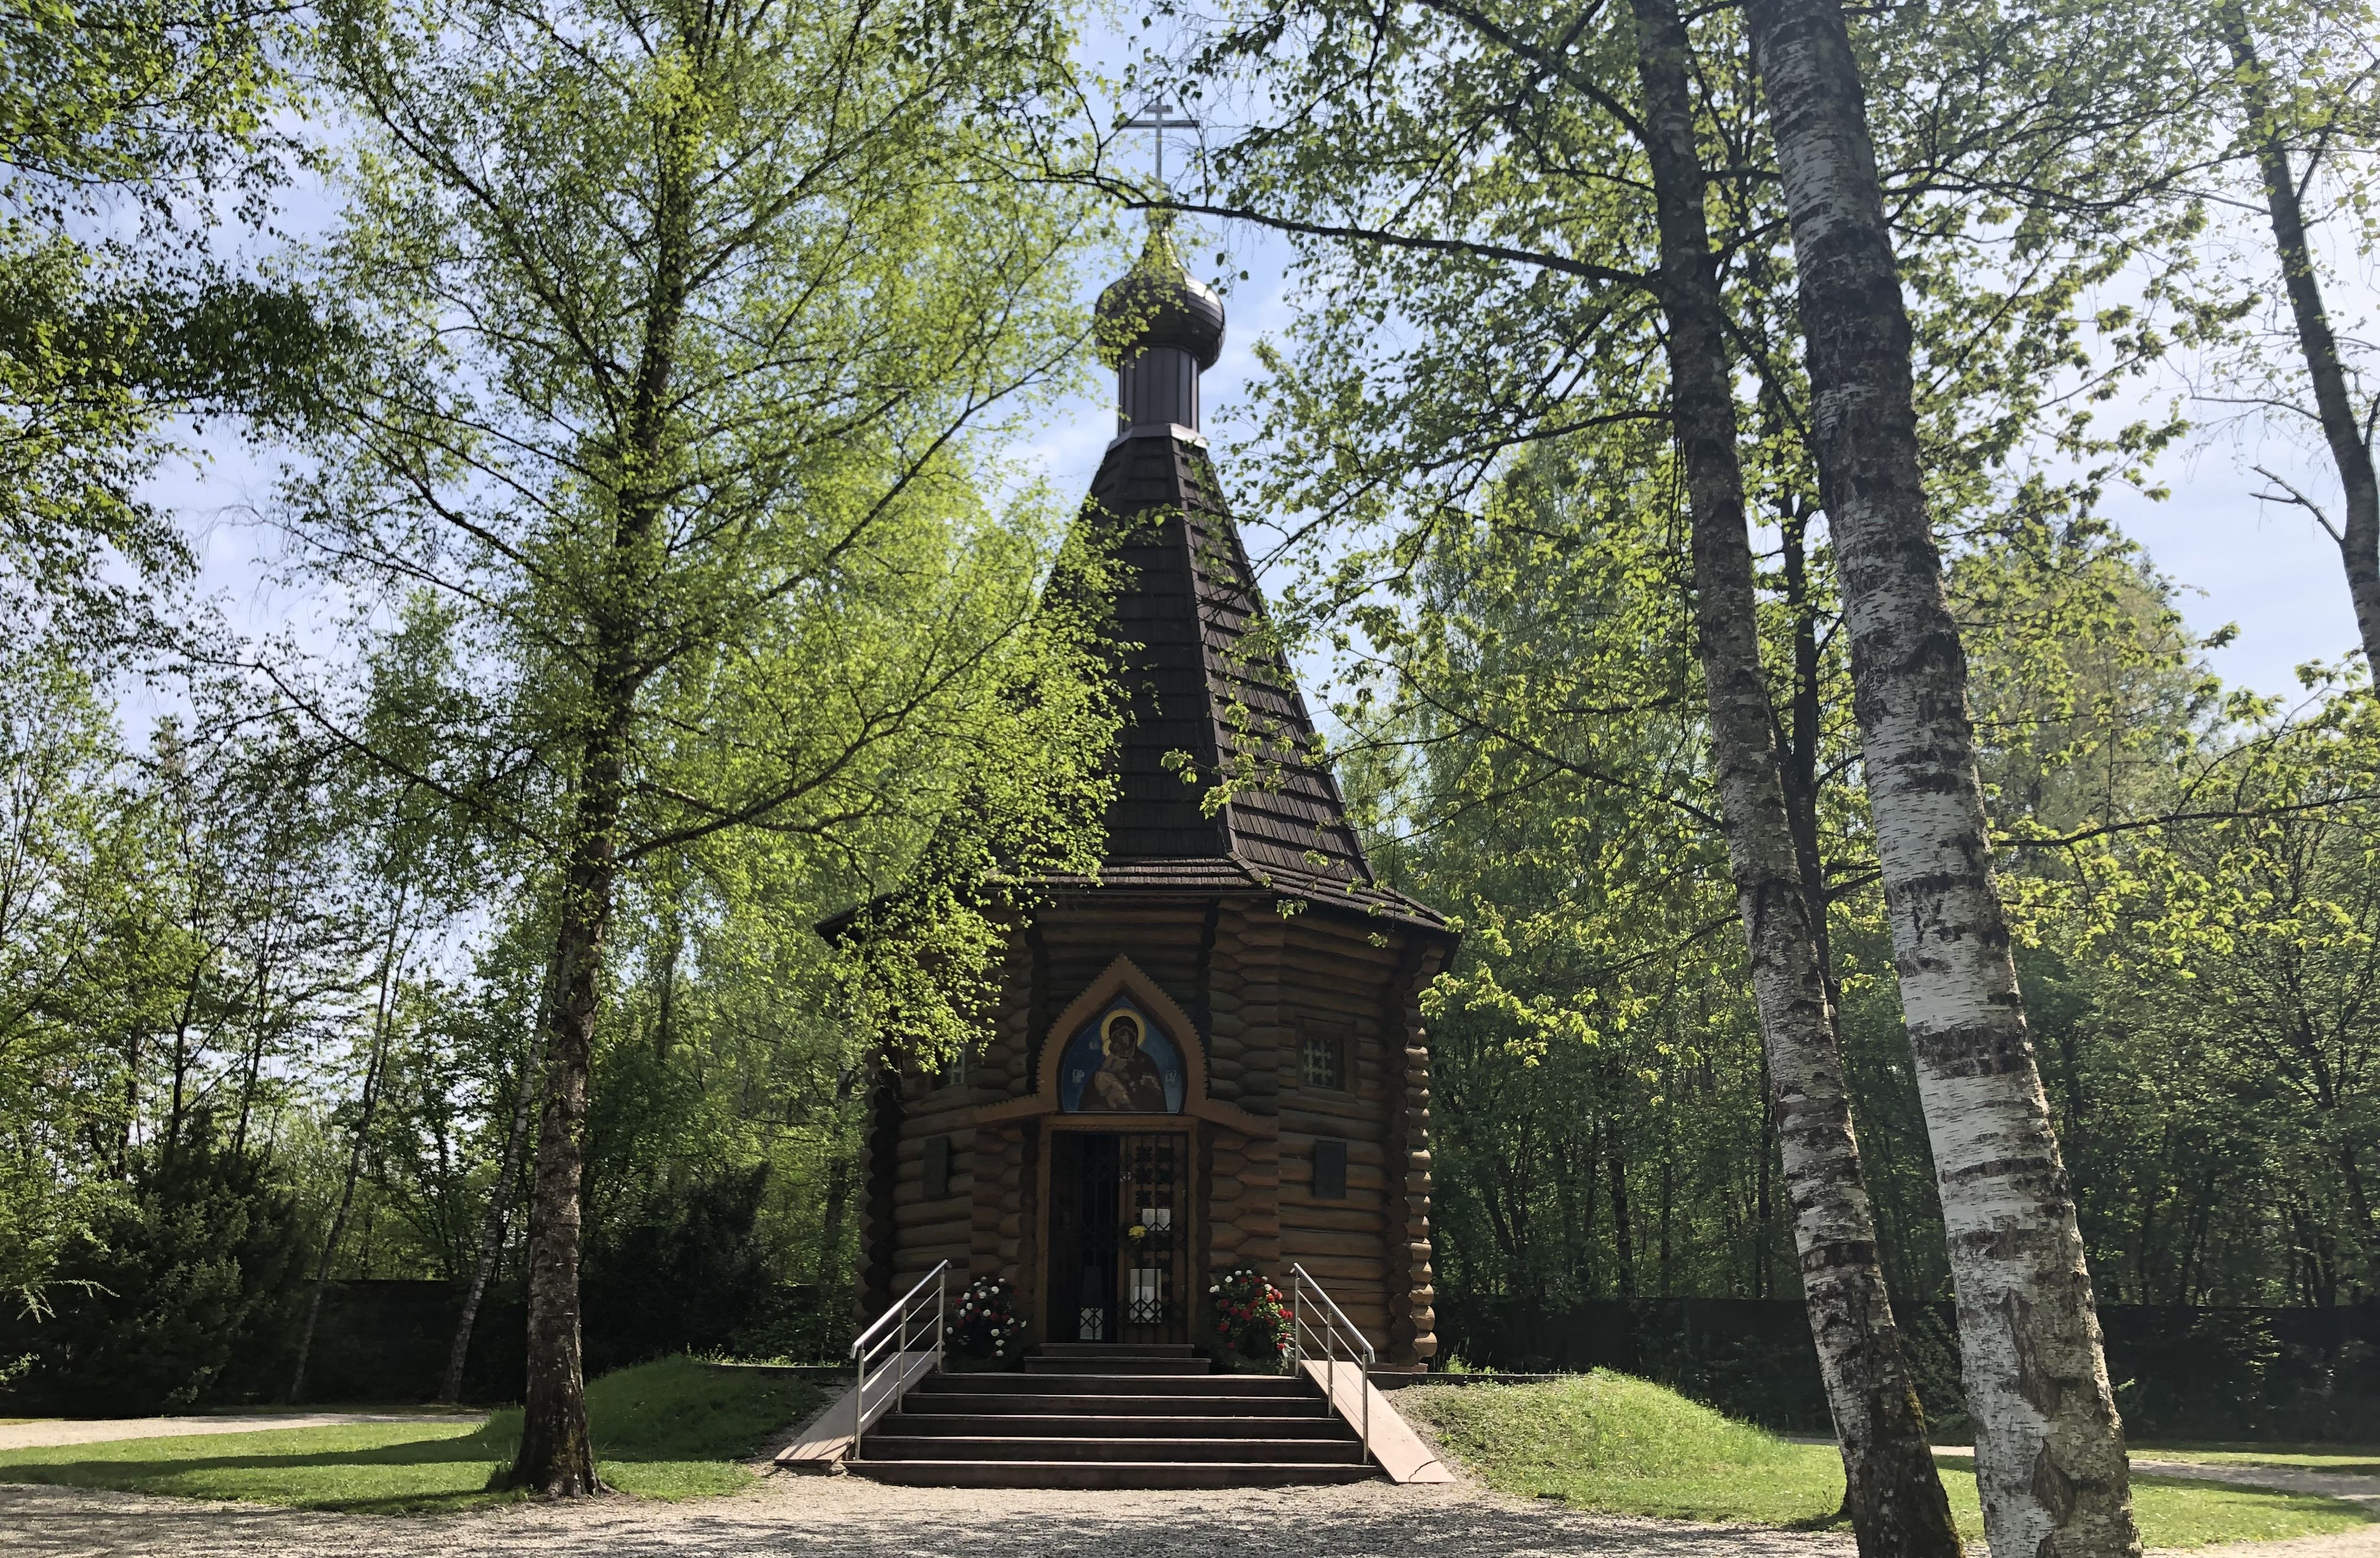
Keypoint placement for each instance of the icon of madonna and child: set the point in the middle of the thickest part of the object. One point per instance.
(1120, 1064)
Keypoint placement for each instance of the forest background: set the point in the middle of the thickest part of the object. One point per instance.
(271, 995)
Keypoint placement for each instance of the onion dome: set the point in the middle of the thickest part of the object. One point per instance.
(1160, 303)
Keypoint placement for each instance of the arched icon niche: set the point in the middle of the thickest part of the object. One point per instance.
(1122, 1062)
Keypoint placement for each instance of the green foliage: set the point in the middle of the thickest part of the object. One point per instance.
(186, 1281)
(786, 596)
(2185, 867)
(682, 1270)
(1528, 755)
(72, 855)
(129, 130)
(173, 941)
(2220, 1076)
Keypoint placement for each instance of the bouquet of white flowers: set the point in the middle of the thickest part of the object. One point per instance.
(987, 1324)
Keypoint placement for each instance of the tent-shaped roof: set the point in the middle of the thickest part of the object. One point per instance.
(1211, 701)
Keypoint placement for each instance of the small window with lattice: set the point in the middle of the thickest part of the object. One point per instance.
(1323, 1057)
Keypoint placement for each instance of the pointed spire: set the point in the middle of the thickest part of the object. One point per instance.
(1211, 698)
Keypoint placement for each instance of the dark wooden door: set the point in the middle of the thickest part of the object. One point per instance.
(1119, 1236)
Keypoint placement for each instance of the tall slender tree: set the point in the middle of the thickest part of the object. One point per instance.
(687, 321)
(389, 983)
(1501, 144)
(2049, 1450)
(1892, 1489)
(2267, 127)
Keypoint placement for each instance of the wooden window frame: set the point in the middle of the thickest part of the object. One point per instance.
(1340, 1046)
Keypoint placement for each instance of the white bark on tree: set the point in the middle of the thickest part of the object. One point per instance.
(1891, 1487)
(2049, 1450)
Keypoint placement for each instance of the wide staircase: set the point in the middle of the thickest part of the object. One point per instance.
(1082, 1415)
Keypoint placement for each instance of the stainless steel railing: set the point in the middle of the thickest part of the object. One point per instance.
(1324, 1326)
(897, 1330)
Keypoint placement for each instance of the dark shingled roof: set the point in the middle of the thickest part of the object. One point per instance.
(1205, 686)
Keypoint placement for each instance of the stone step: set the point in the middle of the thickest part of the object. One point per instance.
(883, 1447)
(1076, 1425)
(1053, 1384)
(1107, 1474)
(1113, 1350)
(1112, 1364)
(1123, 1404)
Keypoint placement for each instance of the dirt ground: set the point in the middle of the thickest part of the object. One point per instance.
(849, 1517)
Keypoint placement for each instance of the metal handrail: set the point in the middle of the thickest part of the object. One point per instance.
(871, 1343)
(1335, 1329)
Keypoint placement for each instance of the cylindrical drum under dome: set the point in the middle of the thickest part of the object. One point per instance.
(1161, 326)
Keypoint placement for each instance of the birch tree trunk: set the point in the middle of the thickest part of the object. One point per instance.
(2050, 1451)
(1891, 1488)
(556, 1455)
(2357, 532)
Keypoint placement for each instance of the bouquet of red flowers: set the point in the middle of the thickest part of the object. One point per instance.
(986, 1324)
(1251, 1316)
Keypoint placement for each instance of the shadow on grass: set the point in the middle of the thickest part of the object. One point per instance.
(340, 1480)
(2242, 1491)
(2250, 1461)
(1839, 1520)
(671, 1429)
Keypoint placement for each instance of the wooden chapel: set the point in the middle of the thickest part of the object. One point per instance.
(1211, 1055)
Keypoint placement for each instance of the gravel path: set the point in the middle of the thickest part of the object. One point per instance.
(92, 1430)
(849, 1517)
(2365, 1491)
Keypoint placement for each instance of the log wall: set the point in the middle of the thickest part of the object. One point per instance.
(1254, 982)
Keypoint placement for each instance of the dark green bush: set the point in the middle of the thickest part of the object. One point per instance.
(177, 1296)
(684, 1272)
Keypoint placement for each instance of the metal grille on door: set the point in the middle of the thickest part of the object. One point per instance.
(1152, 1170)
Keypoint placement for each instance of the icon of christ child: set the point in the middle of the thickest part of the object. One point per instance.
(1127, 1081)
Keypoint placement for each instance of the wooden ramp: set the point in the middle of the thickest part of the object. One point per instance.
(826, 1438)
(1395, 1445)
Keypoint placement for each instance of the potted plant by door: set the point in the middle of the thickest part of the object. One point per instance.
(1251, 1325)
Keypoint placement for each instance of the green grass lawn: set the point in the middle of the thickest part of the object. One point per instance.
(1611, 1443)
(671, 1429)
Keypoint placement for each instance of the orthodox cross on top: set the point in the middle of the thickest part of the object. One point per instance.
(1157, 117)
